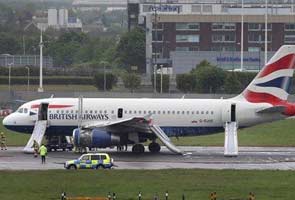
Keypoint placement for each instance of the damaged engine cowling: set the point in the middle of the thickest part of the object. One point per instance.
(95, 138)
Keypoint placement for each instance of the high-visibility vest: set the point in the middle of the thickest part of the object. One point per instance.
(43, 150)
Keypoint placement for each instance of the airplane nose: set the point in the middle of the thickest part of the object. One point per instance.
(7, 121)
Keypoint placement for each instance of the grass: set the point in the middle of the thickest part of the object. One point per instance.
(55, 88)
(280, 133)
(195, 184)
(14, 138)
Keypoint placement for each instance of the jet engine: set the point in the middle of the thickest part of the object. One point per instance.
(95, 138)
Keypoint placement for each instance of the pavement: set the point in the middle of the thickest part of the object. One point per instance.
(261, 158)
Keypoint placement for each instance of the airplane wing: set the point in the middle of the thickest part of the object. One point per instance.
(139, 124)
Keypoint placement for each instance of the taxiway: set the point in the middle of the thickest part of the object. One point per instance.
(262, 158)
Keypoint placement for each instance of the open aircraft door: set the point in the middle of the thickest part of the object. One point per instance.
(43, 112)
(229, 112)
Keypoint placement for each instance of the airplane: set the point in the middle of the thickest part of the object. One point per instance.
(107, 122)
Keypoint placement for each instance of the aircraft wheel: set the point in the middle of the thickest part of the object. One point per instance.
(138, 148)
(154, 147)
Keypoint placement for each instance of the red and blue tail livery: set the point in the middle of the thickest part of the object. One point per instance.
(273, 82)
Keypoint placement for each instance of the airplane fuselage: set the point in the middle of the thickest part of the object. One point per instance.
(176, 117)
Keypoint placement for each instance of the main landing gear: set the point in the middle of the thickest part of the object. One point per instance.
(153, 148)
(138, 148)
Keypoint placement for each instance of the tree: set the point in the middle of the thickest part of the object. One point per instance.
(130, 50)
(111, 81)
(210, 78)
(231, 84)
(186, 82)
(131, 81)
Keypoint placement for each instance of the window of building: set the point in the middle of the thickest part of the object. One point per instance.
(194, 48)
(187, 26)
(187, 38)
(223, 38)
(253, 49)
(253, 26)
(289, 38)
(196, 8)
(182, 49)
(290, 27)
(207, 8)
(254, 37)
(223, 26)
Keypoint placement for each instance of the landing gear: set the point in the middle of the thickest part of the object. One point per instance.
(138, 148)
(154, 147)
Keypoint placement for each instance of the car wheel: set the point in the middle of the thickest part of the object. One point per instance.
(99, 166)
(72, 167)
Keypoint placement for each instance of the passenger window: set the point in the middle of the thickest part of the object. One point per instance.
(95, 157)
(168, 112)
(178, 112)
(105, 112)
(164, 112)
(25, 110)
(183, 112)
(173, 112)
(187, 112)
(212, 112)
(86, 111)
(95, 112)
(159, 112)
(90, 111)
(134, 111)
(130, 112)
(144, 112)
(193, 112)
(207, 112)
(154, 112)
(202, 112)
(139, 112)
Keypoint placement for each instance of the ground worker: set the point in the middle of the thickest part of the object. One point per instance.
(3, 141)
(166, 195)
(43, 153)
(109, 196)
(214, 196)
(36, 148)
(139, 195)
(251, 196)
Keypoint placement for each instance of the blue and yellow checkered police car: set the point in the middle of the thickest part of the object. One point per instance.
(90, 161)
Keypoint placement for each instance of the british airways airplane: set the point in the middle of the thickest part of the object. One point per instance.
(106, 122)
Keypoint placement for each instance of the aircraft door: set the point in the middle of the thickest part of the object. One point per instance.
(120, 113)
(229, 112)
(43, 111)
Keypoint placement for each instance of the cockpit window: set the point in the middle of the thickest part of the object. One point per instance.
(20, 110)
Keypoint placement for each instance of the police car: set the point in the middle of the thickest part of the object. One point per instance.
(91, 161)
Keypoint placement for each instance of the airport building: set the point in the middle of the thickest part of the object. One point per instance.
(182, 33)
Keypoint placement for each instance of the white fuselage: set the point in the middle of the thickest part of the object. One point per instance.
(169, 114)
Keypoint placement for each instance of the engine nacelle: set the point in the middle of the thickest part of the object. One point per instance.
(95, 138)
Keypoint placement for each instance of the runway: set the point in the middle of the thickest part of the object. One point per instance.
(261, 158)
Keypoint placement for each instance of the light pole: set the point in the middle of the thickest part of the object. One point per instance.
(40, 89)
(265, 32)
(242, 37)
(161, 78)
(9, 77)
(28, 88)
(104, 63)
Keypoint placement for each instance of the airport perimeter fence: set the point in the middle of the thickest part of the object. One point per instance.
(165, 196)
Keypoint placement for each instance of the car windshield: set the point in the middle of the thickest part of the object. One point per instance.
(86, 157)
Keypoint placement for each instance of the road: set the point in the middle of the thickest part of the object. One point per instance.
(264, 158)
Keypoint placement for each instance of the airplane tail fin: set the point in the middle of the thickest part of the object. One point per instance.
(272, 84)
